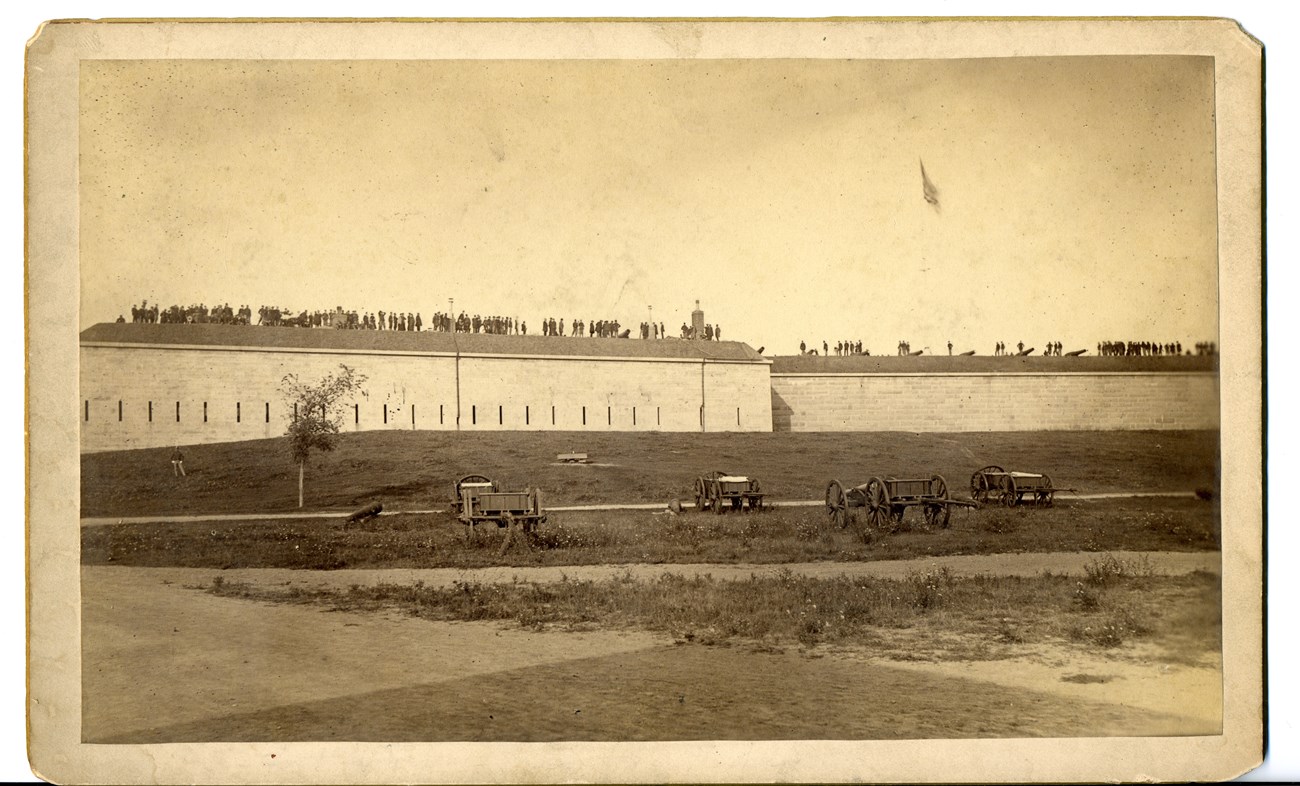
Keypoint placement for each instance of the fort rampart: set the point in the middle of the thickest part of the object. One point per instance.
(942, 394)
(158, 385)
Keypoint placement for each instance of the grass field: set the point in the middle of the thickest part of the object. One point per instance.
(615, 537)
(415, 470)
(929, 614)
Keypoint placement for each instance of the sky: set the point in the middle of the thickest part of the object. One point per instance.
(1075, 196)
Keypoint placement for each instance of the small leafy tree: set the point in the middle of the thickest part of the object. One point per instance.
(314, 416)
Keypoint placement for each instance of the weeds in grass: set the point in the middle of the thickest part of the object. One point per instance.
(1008, 633)
(1102, 571)
(782, 608)
(930, 588)
(1197, 532)
(780, 535)
(1086, 598)
(1112, 629)
(998, 521)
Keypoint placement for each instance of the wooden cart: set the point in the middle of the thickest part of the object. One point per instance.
(883, 501)
(478, 500)
(994, 484)
(720, 491)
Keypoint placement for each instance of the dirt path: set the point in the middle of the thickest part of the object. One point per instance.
(99, 521)
(165, 662)
(157, 654)
(1032, 564)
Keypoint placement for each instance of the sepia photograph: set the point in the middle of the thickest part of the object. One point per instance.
(788, 400)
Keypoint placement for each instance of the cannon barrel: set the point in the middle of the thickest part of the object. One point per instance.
(368, 512)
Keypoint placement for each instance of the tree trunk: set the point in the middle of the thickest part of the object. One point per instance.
(300, 467)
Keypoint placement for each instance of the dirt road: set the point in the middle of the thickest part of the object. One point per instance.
(99, 521)
(163, 661)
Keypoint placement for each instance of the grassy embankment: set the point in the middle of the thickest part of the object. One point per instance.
(414, 470)
(930, 614)
(617, 537)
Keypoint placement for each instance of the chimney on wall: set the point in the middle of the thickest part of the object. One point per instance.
(697, 321)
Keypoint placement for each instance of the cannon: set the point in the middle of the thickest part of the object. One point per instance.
(478, 500)
(995, 484)
(718, 491)
(365, 514)
(883, 501)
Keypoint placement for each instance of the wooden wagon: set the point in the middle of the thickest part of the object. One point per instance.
(994, 484)
(719, 491)
(883, 501)
(478, 500)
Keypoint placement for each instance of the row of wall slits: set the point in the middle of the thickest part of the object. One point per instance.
(148, 397)
(995, 402)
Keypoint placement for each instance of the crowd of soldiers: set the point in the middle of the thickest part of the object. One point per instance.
(653, 330)
(595, 328)
(222, 315)
(1145, 348)
(1050, 349)
(1000, 349)
(709, 332)
(475, 323)
(397, 321)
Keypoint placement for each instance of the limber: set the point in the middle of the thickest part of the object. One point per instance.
(929, 613)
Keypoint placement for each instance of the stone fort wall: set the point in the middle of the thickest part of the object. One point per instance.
(142, 396)
(987, 401)
(152, 393)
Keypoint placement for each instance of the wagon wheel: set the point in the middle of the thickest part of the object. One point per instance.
(455, 502)
(979, 482)
(879, 512)
(715, 494)
(938, 514)
(1045, 495)
(699, 494)
(1009, 493)
(836, 503)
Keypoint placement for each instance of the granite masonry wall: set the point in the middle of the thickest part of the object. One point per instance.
(149, 396)
(949, 402)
